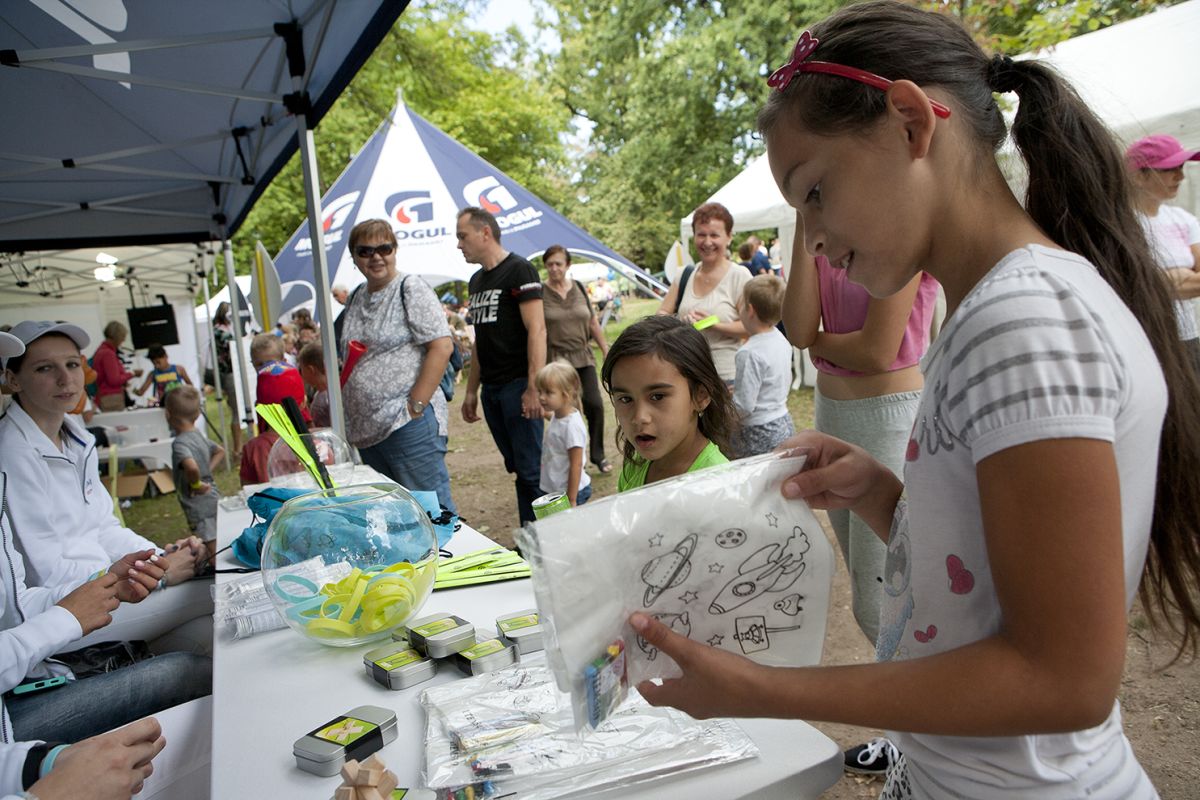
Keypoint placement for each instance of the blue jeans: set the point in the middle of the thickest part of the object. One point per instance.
(583, 495)
(414, 456)
(519, 440)
(91, 706)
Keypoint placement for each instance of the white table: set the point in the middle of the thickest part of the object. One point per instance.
(138, 424)
(273, 688)
(154, 455)
(140, 434)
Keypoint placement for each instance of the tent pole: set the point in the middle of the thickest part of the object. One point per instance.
(212, 350)
(316, 231)
(235, 303)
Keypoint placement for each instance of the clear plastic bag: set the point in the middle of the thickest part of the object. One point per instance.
(718, 555)
(511, 731)
(243, 607)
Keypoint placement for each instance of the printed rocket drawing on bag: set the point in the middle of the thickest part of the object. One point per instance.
(773, 568)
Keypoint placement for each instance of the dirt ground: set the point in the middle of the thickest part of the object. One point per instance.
(1161, 706)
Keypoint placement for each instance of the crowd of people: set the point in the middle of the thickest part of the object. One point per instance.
(999, 495)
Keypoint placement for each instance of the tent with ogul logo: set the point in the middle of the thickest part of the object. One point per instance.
(418, 178)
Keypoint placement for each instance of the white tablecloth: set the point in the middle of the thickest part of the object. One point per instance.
(271, 689)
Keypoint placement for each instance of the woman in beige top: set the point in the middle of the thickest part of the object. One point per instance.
(571, 326)
(714, 288)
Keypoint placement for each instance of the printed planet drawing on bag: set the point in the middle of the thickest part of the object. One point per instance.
(668, 570)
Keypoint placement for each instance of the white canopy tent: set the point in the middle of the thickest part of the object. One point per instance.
(1141, 77)
(93, 286)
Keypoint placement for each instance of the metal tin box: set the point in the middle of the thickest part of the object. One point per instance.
(488, 655)
(354, 735)
(440, 635)
(398, 666)
(522, 628)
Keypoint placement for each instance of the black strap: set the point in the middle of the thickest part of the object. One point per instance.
(583, 292)
(683, 282)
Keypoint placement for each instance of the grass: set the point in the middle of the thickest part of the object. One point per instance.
(474, 476)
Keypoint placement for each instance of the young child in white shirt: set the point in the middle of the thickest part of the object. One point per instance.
(764, 370)
(566, 437)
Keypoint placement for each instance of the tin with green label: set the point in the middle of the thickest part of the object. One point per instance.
(438, 635)
(524, 629)
(549, 504)
(398, 666)
(486, 655)
(354, 735)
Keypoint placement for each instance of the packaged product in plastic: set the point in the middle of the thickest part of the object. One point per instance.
(511, 731)
(719, 555)
(243, 607)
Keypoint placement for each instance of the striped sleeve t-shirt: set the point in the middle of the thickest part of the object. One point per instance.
(1041, 348)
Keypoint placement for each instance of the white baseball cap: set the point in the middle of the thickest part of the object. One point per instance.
(29, 331)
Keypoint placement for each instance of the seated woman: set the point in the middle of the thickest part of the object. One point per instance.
(35, 622)
(62, 517)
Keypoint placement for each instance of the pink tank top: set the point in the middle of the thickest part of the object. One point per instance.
(844, 310)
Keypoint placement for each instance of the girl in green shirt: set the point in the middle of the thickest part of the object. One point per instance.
(674, 412)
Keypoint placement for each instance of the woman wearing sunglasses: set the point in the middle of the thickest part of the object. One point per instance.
(395, 413)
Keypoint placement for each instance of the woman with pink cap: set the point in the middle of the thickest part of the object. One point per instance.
(1156, 165)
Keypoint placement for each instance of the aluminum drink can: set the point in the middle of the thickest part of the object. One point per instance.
(549, 504)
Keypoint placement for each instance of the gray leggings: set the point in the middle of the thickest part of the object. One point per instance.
(881, 426)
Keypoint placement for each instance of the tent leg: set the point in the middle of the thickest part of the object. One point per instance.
(235, 303)
(212, 354)
(316, 231)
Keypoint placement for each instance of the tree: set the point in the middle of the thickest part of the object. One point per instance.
(672, 87)
(671, 90)
(466, 82)
(1014, 26)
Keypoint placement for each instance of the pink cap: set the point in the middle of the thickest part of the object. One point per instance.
(1159, 152)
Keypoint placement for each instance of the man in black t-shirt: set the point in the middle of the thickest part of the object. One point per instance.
(510, 348)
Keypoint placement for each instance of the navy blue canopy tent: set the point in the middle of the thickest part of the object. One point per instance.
(418, 178)
(148, 123)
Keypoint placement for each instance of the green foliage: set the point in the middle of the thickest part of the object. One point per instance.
(667, 91)
(1018, 26)
(672, 89)
(464, 81)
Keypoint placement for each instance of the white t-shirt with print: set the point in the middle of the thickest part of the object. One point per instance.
(1040, 349)
(1172, 232)
(561, 435)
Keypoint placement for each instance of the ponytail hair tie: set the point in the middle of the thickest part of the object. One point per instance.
(1003, 76)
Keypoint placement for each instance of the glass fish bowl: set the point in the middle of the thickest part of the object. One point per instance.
(349, 565)
(286, 469)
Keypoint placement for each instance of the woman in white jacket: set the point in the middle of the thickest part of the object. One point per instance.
(61, 517)
(36, 622)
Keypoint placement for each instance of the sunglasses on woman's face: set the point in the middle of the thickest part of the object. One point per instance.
(366, 251)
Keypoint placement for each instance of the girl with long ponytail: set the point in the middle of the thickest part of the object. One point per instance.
(1052, 469)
